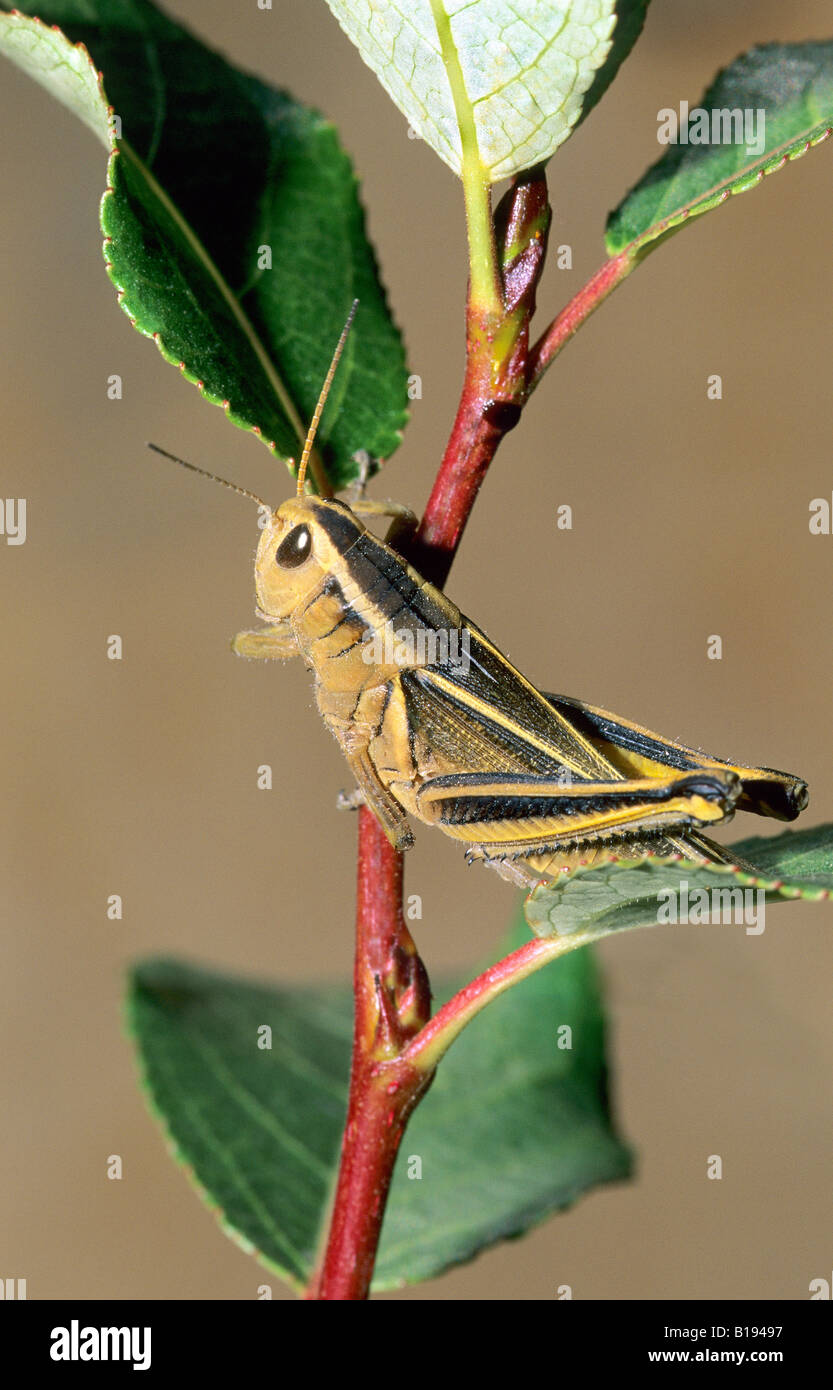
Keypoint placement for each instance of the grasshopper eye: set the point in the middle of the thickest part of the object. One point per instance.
(294, 549)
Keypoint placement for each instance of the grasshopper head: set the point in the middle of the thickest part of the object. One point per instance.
(301, 544)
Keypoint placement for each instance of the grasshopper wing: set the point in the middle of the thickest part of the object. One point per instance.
(636, 752)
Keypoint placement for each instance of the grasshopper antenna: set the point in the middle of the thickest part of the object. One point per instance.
(325, 391)
(244, 492)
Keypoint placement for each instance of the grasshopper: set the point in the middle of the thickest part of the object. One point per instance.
(438, 726)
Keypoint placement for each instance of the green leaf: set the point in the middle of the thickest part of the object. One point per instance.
(614, 896)
(216, 170)
(792, 84)
(513, 1127)
(490, 83)
(259, 1130)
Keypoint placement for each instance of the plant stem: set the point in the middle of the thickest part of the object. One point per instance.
(434, 1040)
(484, 292)
(484, 280)
(392, 1001)
(495, 383)
(391, 986)
(474, 439)
(574, 314)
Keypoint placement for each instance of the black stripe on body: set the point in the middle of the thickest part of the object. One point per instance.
(384, 710)
(339, 524)
(468, 810)
(766, 790)
(370, 565)
(383, 578)
(386, 590)
(476, 810)
(630, 739)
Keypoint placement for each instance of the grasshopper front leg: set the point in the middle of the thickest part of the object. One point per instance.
(275, 643)
(354, 723)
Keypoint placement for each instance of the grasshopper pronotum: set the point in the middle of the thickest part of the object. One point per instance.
(437, 725)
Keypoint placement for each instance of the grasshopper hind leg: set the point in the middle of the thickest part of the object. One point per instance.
(526, 871)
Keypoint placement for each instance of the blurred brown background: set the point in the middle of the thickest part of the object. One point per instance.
(138, 777)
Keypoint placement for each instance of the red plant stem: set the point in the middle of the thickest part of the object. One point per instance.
(385, 1087)
(496, 380)
(395, 1048)
(579, 309)
(471, 448)
(439, 1033)
(392, 996)
(391, 987)
(392, 1001)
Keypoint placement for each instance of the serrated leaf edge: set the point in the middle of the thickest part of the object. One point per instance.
(721, 192)
(122, 293)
